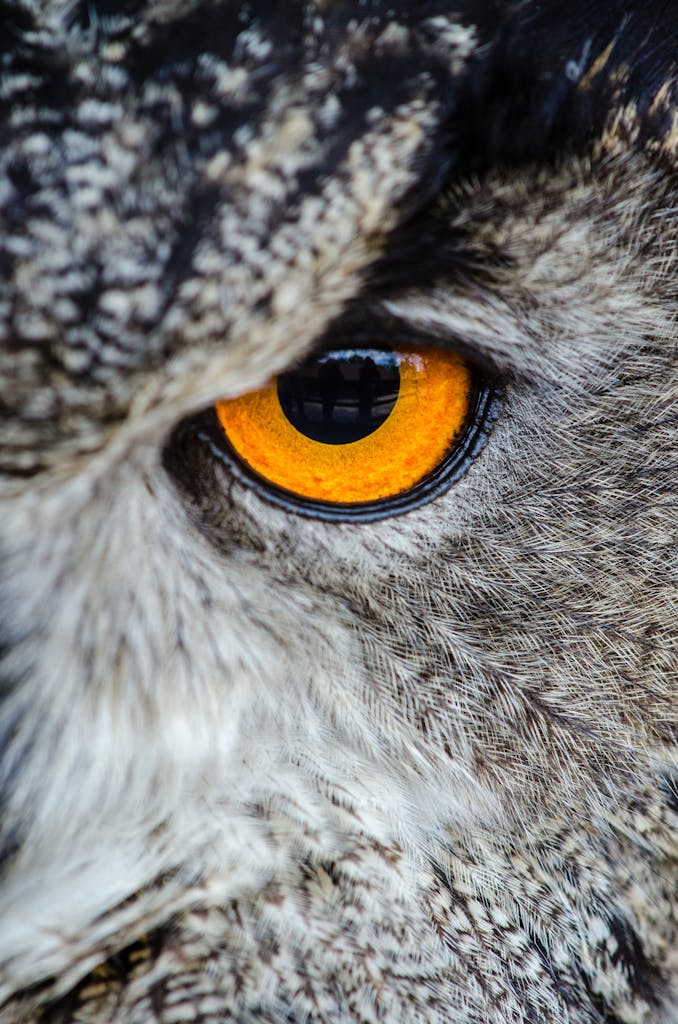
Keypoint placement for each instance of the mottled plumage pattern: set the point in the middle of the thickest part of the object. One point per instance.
(261, 767)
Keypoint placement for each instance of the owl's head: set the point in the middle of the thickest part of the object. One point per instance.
(336, 381)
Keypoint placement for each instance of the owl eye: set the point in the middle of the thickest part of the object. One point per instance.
(356, 432)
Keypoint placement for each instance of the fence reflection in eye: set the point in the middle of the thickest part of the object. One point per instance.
(353, 430)
(341, 396)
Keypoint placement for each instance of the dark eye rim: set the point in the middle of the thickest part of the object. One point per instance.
(486, 401)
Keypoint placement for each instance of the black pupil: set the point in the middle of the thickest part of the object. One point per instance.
(341, 396)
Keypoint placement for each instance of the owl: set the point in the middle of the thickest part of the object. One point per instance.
(338, 551)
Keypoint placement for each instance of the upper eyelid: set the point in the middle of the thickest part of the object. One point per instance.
(363, 326)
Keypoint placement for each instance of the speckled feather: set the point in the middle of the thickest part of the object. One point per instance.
(257, 767)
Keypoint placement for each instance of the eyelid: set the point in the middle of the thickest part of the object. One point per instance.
(362, 325)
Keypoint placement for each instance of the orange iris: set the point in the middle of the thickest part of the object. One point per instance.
(353, 425)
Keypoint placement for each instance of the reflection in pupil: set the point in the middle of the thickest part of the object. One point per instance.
(341, 396)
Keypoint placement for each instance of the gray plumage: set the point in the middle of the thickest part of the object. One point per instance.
(258, 766)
